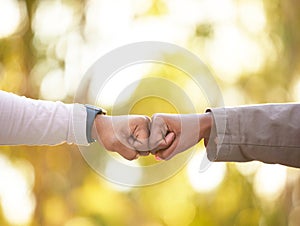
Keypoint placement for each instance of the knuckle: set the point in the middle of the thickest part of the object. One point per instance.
(146, 118)
(156, 115)
(142, 120)
(157, 121)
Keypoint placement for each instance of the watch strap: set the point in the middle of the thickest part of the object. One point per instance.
(92, 112)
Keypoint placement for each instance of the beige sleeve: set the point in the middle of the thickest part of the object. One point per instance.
(268, 133)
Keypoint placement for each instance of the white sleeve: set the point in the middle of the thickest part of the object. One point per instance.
(39, 122)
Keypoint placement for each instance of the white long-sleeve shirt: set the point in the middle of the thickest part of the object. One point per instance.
(39, 122)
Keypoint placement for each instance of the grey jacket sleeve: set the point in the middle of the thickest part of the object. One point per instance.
(267, 133)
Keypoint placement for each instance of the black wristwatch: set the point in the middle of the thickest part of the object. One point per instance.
(92, 112)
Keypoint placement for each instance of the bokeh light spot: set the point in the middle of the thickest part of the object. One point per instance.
(208, 180)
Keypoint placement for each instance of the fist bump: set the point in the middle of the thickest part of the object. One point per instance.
(164, 135)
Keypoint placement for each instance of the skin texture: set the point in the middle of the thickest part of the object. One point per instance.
(165, 135)
(126, 134)
(172, 134)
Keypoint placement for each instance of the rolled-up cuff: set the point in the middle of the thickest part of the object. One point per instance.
(77, 125)
(217, 134)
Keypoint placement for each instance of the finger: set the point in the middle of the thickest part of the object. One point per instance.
(167, 153)
(141, 134)
(164, 143)
(142, 127)
(127, 153)
(158, 131)
(140, 144)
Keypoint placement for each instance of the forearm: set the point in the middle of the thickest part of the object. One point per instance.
(267, 133)
(37, 122)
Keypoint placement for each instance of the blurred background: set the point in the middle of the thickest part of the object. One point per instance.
(251, 46)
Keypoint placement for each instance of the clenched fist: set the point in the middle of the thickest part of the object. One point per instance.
(171, 134)
(165, 136)
(126, 134)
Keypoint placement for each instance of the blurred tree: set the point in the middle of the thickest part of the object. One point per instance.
(67, 192)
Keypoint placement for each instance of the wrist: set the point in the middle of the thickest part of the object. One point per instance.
(206, 123)
(98, 124)
(94, 132)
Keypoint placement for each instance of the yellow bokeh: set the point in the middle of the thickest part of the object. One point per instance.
(252, 49)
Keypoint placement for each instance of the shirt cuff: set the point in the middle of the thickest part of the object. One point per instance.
(215, 148)
(77, 125)
(224, 137)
